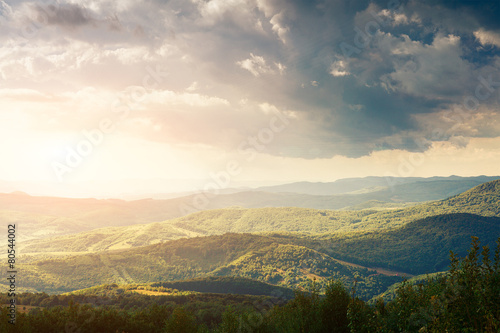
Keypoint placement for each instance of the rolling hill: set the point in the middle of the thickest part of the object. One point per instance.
(262, 258)
(219, 285)
(43, 217)
(419, 247)
(441, 187)
(228, 285)
(483, 200)
(204, 223)
(294, 246)
(289, 259)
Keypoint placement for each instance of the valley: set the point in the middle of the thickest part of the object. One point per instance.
(280, 245)
(245, 251)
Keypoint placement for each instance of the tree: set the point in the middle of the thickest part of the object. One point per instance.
(180, 322)
(334, 308)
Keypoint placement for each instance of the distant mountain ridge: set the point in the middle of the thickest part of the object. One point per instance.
(347, 185)
(483, 200)
(44, 217)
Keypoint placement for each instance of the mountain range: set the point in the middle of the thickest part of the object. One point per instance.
(286, 246)
(44, 217)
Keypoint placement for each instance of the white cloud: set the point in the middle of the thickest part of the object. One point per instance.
(278, 12)
(193, 86)
(214, 9)
(23, 94)
(339, 68)
(256, 65)
(74, 72)
(129, 55)
(167, 98)
(279, 27)
(396, 18)
(270, 109)
(266, 6)
(240, 12)
(488, 37)
(281, 67)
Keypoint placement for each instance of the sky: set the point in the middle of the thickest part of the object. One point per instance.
(246, 92)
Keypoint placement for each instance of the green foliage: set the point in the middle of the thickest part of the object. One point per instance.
(333, 307)
(362, 318)
(225, 285)
(230, 322)
(353, 232)
(414, 239)
(94, 311)
(418, 247)
(391, 292)
(209, 222)
(266, 259)
(302, 314)
(465, 299)
(180, 322)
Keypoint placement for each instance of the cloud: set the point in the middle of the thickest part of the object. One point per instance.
(279, 28)
(488, 37)
(436, 70)
(397, 18)
(212, 54)
(256, 65)
(339, 68)
(171, 98)
(279, 14)
(26, 95)
(65, 15)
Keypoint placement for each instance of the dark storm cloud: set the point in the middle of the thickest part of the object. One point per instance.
(359, 75)
(414, 65)
(422, 59)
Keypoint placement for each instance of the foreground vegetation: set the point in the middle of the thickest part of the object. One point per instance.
(465, 299)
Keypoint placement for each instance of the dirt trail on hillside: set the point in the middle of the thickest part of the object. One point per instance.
(379, 270)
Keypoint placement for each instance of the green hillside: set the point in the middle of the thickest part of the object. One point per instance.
(300, 244)
(483, 200)
(462, 299)
(44, 217)
(417, 247)
(105, 239)
(226, 285)
(257, 257)
(211, 222)
(116, 308)
(219, 285)
(391, 292)
(379, 205)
